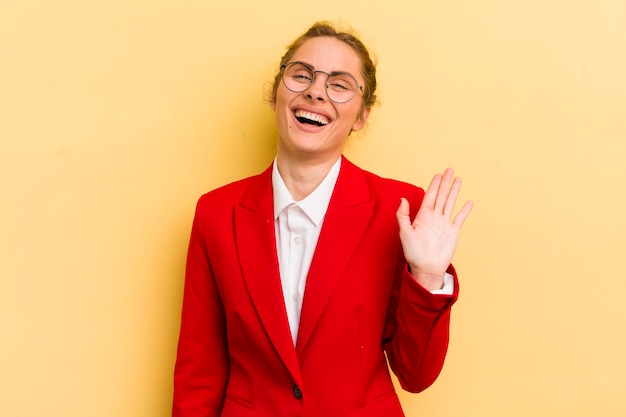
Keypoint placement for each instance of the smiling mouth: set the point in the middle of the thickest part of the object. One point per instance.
(311, 118)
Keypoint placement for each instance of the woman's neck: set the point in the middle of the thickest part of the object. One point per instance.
(302, 177)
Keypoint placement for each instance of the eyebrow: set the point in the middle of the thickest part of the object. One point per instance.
(328, 73)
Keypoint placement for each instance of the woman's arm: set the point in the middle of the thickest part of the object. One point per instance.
(201, 370)
(417, 331)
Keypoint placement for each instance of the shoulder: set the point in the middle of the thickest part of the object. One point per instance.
(234, 192)
(381, 186)
(228, 191)
(384, 192)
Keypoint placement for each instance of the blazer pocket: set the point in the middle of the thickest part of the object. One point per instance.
(237, 407)
(387, 405)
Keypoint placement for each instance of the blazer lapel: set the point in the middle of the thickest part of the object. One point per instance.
(256, 243)
(348, 215)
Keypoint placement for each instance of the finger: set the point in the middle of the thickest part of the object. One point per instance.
(444, 189)
(451, 200)
(431, 192)
(402, 214)
(462, 215)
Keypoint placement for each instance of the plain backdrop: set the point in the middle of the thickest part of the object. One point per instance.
(115, 116)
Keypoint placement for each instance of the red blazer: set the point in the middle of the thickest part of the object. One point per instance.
(235, 353)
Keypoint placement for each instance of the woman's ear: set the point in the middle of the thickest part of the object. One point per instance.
(359, 123)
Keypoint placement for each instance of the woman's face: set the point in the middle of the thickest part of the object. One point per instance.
(310, 125)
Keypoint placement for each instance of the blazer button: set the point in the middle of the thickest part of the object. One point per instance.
(297, 393)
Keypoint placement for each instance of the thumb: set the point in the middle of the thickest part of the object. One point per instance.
(402, 214)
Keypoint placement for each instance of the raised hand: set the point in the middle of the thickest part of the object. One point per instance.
(430, 240)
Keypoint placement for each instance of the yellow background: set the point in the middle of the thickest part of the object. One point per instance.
(115, 116)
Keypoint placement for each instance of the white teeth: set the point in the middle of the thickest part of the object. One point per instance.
(312, 116)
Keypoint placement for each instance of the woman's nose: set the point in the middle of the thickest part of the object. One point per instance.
(317, 89)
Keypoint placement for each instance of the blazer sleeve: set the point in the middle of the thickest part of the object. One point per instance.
(417, 328)
(201, 368)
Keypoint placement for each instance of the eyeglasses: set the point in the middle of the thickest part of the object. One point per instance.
(341, 86)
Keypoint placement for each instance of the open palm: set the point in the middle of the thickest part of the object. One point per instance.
(429, 242)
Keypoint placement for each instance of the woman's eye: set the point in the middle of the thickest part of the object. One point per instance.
(339, 86)
(302, 78)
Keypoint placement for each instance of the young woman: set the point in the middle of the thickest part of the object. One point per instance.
(305, 282)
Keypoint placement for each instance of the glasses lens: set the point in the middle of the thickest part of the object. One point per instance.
(297, 77)
(341, 87)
